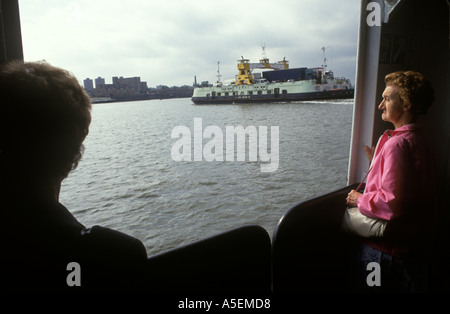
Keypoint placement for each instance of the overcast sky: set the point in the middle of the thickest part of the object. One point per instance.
(168, 42)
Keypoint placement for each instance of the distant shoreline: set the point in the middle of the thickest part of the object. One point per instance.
(103, 100)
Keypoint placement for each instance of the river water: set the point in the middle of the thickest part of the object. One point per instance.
(128, 180)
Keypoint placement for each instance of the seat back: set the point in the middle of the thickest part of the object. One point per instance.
(235, 261)
(310, 253)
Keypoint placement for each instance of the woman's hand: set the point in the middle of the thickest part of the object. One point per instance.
(369, 152)
(352, 198)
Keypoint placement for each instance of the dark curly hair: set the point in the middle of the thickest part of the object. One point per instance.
(44, 118)
(414, 89)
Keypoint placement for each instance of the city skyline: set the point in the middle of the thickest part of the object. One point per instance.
(102, 81)
(130, 88)
(133, 82)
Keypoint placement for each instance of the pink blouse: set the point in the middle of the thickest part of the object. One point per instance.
(401, 176)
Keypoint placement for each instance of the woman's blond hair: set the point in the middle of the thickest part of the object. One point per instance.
(414, 89)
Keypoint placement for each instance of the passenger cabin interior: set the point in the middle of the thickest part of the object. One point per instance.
(413, 35)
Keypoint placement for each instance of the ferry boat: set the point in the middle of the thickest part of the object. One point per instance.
(274, 82)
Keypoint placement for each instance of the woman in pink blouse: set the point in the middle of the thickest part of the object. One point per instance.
(400, 188)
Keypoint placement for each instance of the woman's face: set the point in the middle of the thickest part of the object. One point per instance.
(391, 105)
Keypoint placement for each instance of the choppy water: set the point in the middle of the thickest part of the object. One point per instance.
(127, 179)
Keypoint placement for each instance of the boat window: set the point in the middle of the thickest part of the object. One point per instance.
(155, 54)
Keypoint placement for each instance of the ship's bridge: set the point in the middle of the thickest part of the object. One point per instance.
(245, 76)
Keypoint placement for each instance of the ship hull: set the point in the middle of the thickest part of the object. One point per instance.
(273, 98)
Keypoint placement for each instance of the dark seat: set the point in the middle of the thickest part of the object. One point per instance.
(235, 261)
(309, 251)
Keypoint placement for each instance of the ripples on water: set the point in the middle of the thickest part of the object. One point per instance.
(128, 181)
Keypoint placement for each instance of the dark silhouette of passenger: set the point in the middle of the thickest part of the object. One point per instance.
(44, 118)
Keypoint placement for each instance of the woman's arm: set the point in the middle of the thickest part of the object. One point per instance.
(386, 188)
